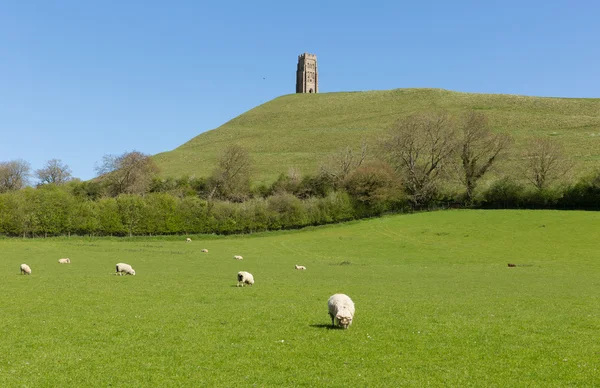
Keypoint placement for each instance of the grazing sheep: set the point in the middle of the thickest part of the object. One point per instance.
(300, 267)
(238, 257)
(64, 261)
(512, 265)
(341, 308)
(244, 277)
(188, 240)
(125, 268)
(25, 269)
(204, 250)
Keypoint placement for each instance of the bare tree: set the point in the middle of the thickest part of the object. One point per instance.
(231, 179)
(129, 173)
(479, 149)
(342, 163)
(14, 175)
(419, 148)
(55, 172)
(545, 162)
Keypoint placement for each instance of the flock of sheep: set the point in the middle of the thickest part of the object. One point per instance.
(340, 306)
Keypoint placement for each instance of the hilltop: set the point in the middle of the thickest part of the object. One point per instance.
(300, 130)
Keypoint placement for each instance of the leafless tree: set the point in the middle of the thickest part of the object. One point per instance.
(14, 175)
(55, 172)
(419, 148)
(545, 162)
(341, 164)
(231, 179)
(479, 148)
(129, 173)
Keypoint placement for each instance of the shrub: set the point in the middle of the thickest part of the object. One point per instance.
(289, 210)
(585, 194)
(503, 193)
(372, 187)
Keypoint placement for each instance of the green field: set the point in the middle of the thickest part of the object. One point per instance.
(301, 130)
(436, 305)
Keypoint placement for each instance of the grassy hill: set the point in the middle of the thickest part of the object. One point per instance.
(300, 130)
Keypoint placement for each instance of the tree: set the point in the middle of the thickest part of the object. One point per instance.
(342, 163)
(478, 148)
(419, 148)
(131, 211)
(545, 162)
(129, 173)
(51, 208)
(55, 172)
(14, 175)
(109, 218)
(231, 179)
(161, 214)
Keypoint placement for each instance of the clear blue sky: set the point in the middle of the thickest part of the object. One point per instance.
(81, 79)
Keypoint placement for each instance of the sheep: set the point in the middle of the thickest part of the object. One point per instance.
(64, 261)
(341, 308)
(25, 269)
(238, 257)
(188, 240)
(244, 277)
(125, 268)
(301, 267)
(204, 250)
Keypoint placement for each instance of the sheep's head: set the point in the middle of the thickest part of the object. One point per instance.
(344, 321)
(133, 272)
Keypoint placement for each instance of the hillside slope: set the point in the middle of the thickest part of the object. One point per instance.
(300, 130)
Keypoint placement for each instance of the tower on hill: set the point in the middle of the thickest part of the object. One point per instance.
(307, 76)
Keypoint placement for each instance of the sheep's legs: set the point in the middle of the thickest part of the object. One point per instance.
(332, 320)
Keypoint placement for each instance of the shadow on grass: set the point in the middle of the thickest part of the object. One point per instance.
(325, 326)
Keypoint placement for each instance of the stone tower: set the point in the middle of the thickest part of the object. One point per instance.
(307, 76)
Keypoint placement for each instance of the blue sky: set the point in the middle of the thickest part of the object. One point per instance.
(81, 79)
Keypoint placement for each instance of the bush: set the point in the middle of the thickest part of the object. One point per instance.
(373, 188)
(289, 210)
(585, 194)
(504, 193)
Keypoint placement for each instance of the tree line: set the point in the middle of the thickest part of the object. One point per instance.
(426, 161)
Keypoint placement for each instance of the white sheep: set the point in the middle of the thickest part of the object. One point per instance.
(301, 267)
(238, 257)
(25, 269)
(188, 240)
(126, 269)
(204, 250)
(341, 309)
(64, 261)
(244, 277)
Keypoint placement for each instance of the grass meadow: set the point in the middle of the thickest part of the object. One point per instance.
(436, 305)
(302, 130)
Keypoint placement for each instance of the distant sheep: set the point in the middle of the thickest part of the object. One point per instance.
(64, 261)
(301, 267)
(188, 240)
(238, 257)
(341, 309)
(25, 269)
(126, 269)
(204, 250)
(244, 277)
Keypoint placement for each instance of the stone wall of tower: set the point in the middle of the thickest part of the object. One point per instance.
(307, 74)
